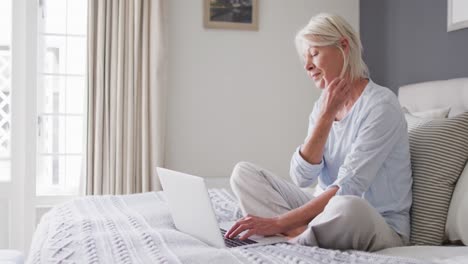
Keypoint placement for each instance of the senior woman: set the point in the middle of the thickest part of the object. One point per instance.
(356, 146)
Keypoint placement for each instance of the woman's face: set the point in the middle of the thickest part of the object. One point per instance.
(323, 64)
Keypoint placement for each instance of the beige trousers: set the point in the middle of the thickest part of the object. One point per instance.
(347, 222)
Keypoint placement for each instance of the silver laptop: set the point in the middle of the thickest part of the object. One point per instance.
(192, 212)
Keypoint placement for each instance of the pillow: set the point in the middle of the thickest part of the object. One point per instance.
(436, 113)
(456, 227)
(439, 150)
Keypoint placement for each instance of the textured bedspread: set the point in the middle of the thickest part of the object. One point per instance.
(139, 229)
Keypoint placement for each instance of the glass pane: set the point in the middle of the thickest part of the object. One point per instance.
(76, 91)
(5, 22)
(72, 173)
(54, 54)
(54, 14)
(48, 171)
(64, 95)
(61, 135)
(77, 17)
(74, 134)
(52, 136)
(53, 99)
(5, 170)
(58, 175)
(76, 55)
(5, 88)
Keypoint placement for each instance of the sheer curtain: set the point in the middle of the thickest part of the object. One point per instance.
(126, 90)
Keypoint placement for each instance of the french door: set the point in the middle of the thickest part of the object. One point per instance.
(42, 111)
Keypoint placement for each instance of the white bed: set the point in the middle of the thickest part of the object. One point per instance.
(138, 228)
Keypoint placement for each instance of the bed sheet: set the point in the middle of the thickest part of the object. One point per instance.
(436, 254)
(139, 229)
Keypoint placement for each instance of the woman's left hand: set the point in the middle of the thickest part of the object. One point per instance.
(255, 225)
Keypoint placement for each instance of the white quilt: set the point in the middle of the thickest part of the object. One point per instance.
(138, 229)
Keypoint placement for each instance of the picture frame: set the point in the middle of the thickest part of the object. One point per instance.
(457, 15)
(230, 14)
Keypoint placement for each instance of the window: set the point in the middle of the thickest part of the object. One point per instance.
(61, 95)
(5, 89)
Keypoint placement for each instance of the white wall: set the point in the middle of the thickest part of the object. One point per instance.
(239, 95)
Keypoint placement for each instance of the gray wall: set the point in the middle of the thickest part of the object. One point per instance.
(407, 42)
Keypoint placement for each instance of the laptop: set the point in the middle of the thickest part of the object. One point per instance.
(193, 214)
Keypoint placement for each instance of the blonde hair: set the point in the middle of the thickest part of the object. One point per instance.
(329, 29)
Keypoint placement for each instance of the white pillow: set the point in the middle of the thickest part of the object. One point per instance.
(456, 228)
(433, 113)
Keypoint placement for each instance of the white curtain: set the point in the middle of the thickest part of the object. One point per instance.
(126, 95)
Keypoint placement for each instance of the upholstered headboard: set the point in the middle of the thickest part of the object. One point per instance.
(436, 94)
(440, 94)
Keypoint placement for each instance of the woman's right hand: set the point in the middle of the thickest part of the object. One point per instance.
(336, 94)
(255, 225)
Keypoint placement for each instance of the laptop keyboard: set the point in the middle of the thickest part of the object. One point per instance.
(235, 242)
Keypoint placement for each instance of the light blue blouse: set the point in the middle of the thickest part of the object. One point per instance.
(366, 155)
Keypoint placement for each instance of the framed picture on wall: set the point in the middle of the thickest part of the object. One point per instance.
(457, 14)
(230, 14)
